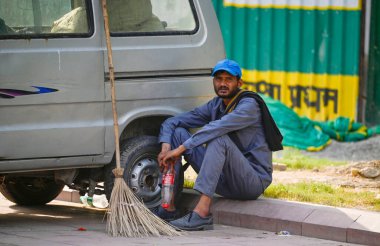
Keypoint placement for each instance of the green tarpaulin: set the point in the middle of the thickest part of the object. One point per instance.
(303, 133)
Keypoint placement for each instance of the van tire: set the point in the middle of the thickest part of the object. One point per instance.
(30, 190)
(138, 157)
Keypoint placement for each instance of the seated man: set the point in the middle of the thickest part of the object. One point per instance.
(230, 153)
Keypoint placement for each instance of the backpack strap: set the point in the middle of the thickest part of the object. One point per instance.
(272, 134)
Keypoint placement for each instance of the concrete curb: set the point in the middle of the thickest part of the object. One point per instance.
(332, 223)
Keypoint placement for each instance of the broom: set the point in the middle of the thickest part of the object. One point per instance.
(127, 215)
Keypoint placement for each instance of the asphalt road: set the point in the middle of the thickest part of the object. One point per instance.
(63, 223)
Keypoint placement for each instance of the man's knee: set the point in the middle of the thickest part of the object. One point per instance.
(180, 135)
(220, 142)
(180, 131)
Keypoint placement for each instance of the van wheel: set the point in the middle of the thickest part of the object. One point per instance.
(30, 190)
(138, 157)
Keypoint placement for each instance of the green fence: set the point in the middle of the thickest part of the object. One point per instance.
(305, 55)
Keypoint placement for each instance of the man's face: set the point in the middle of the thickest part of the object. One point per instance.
(226, 85)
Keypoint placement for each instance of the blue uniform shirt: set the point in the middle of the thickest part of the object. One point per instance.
(244, 120)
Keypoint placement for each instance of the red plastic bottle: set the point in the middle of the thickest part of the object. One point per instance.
(167, 189)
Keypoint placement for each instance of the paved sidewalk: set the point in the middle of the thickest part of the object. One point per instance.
(71, 224)
(332, 223)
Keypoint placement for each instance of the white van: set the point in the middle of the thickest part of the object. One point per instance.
(56, 124)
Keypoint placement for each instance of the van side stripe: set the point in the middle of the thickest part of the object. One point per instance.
(12, 93)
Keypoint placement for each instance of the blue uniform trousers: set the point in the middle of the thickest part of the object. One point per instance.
(221, 168)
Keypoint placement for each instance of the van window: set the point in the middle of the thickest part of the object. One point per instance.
(43, 18)
(150, 17)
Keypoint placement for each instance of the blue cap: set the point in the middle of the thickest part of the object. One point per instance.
(230, 66)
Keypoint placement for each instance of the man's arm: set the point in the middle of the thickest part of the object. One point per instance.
(245, 114)
(192, 119)
(195, 118)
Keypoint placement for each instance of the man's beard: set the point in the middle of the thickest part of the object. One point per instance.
(228, 96)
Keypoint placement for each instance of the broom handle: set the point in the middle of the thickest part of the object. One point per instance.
(112, 79)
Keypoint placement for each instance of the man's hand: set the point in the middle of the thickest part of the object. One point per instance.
(173, 155)
(165, 148)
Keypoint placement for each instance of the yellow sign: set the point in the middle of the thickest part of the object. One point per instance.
(318, 96)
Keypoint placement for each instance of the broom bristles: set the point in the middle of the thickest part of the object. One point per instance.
(128, 216)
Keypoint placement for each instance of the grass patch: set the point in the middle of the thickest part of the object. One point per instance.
(294, 159)
(320, 193)
(189, 184)
(313, 192)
